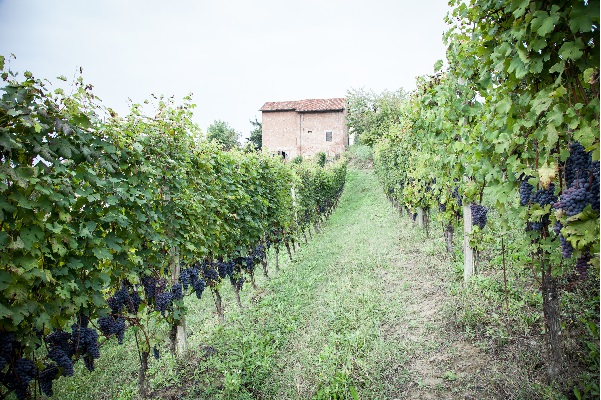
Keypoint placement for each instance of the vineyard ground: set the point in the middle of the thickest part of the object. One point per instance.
(362, 309)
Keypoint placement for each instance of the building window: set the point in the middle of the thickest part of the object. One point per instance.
(328, 136)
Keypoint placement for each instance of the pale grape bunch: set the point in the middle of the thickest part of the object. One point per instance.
(479, 213)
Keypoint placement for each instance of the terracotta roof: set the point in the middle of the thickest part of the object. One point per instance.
(306, 105)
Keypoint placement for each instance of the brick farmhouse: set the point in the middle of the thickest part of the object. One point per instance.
(305, 127)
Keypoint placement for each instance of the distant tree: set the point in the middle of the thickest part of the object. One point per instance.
(371, 115)
(221, 132)
(256, 135)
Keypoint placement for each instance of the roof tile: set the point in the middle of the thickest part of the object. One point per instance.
(308, 105)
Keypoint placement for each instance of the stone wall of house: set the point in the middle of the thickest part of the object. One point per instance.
(313, 128)
(304, 133)
(280, 132)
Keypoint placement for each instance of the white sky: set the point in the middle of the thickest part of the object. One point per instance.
(232, 55)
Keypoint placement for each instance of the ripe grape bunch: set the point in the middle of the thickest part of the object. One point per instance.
(582, 181)
(582, 265)
(112, 325)
(190, 277)
(542, 197)
(566, 247)
(525, 191)
(20, 371)
(478, 215)
(456, 196)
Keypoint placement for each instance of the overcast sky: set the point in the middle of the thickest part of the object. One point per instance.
(233, 56)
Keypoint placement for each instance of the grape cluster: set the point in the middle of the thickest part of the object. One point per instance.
(525, 191)
(190, 277)
(259, 252)
(541, 197)
(582, 182)
(163, 302)
(577, 163)
(478, 215)
(566, 247)
(6, 347)
(442, 207)
(225, 268)
(210, 274)
(177, 291)
(574, 199)
(455, 195)
(149, 284)
(582, 264)
(85, 342)
(119, 300)
(62, 359)
(112, 325)
(45, 378)
(133, 305)
(24, 372)
(123, 299)
(155, 352)
(237, 283)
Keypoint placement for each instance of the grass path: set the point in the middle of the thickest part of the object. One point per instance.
(356, 314)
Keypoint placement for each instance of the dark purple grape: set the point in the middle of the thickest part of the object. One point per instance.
(478, 215)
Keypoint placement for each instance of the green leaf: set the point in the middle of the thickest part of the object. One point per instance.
(438, 65)
(571, 50)
(583, 17)
(543, 23)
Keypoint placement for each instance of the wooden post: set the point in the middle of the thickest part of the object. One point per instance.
(468, 253)
(421, 217)
(180, 334)
(449, 237)
(293, 194)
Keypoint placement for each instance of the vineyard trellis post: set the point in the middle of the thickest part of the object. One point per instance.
(468, 253)
(179, 331)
